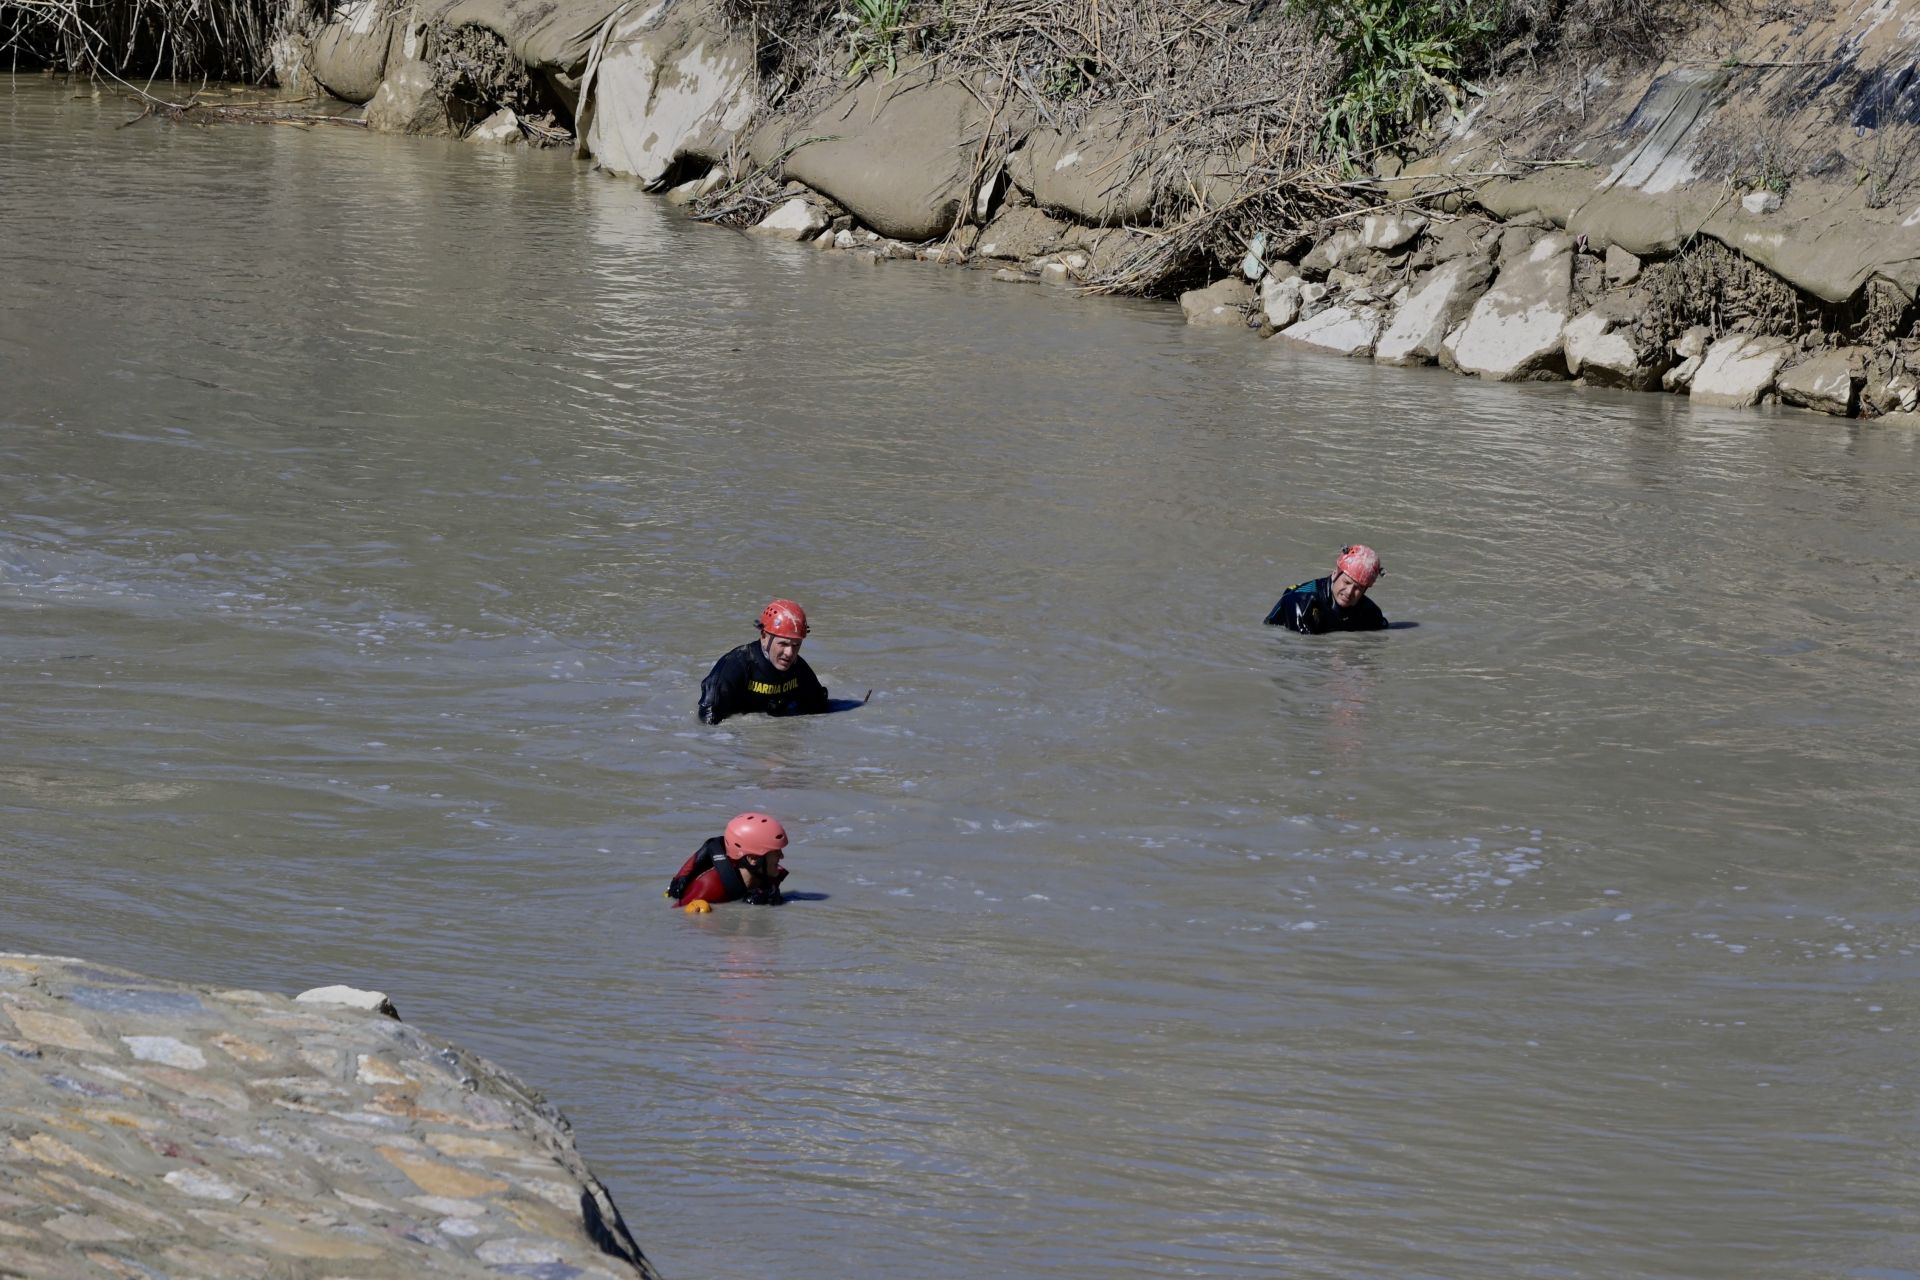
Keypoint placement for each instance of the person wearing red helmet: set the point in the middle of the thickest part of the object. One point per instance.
(767, 674)
(741, 865)
(1337, 602)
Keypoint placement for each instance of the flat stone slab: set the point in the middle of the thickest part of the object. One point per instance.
(1345, 331)
(170, 1132)
(1738, 370)
(1513, 332)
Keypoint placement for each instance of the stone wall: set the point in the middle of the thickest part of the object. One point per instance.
(150, 1129)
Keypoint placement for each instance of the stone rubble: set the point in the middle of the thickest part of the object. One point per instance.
(154, 1130)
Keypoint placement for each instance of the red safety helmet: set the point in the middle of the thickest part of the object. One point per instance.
(1361, 563)
(754, 835)
(784, 618)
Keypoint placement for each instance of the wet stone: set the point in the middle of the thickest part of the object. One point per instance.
(541, 1270)
(165, 1049)
(86, 1228)
(230, 1149)
(194, 1182)
(164, 1004)
(85, 1088)
(56, 1030)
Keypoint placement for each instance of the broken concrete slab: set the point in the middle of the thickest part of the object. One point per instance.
(1344, 331)
(1828, 382)
(1738, 370)
(1513, 333)
(1439, 303)
(670, 82)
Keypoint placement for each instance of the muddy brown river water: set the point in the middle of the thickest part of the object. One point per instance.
(370, 509)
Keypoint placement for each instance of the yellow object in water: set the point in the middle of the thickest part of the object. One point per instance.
(698, 907)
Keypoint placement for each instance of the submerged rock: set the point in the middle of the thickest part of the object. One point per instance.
(1738, 370)
(183, 1131)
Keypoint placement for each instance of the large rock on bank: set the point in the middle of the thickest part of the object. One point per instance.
(408, 102)
(1443, 300)
(1222, 304)
(155, 1129)
(1599, 351)
(1019, 232)
(1738, 370)
(671, 82)
(1829, 382)
(796, 219)
(350, 52)
(899, 154)
(1343, 331)
(1513, 332)
(1101, 173)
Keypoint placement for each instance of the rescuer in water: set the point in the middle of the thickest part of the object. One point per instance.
(1337, 602)
(767, 674)
(741, 866)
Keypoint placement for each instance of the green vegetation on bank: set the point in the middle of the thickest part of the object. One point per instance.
(1402, 64)
(1399, 68)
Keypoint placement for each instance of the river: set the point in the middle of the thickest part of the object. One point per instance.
(373, 506)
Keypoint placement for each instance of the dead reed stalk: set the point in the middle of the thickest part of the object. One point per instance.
(1219, 101)
(151, 39)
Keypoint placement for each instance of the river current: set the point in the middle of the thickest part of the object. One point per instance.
(370, 509)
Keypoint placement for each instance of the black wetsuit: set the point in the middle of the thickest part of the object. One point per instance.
(1310, 608)
(745, 680)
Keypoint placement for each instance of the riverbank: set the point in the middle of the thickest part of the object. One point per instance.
(1722, 214)
(160, 1129)
(1716, 206)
